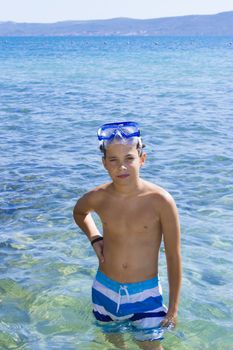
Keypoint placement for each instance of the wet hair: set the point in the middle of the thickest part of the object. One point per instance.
(139, 147)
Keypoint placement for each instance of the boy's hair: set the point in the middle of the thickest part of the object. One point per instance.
(139, 147)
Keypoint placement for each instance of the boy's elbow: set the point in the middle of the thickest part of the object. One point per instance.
(75, 213)
(78, 215)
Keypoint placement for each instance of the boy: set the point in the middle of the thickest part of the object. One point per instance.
(136, 215)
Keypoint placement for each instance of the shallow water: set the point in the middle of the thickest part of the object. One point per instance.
(54, 94)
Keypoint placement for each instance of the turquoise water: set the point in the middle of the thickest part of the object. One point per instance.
(54, 93)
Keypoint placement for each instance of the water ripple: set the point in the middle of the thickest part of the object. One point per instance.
(55, 92)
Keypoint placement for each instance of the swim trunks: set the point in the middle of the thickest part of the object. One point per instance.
(141, 303)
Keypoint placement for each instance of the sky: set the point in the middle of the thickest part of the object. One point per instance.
(49, 11)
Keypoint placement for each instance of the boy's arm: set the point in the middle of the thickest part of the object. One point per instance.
(83, 218)
(171, 236)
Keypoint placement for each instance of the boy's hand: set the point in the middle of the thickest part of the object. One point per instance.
(98, 248)
(170, 321)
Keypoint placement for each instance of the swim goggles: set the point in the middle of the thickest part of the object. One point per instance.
(124, 130)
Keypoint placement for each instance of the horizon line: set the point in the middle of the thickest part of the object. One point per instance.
(112, 18)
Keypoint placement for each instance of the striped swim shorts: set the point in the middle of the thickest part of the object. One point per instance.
(141, 303)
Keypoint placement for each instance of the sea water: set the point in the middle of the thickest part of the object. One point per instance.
(54, 94)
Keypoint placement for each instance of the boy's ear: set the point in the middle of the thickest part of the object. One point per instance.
(142, 159)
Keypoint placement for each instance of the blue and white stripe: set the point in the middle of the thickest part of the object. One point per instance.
(140, 302)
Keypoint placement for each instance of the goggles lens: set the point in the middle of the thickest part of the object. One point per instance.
(124, 129)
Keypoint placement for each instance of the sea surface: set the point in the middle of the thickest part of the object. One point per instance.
(54, 94)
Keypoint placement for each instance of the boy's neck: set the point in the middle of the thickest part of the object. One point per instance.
(126, 190)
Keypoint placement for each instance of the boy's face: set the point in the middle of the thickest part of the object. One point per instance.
(123, 162)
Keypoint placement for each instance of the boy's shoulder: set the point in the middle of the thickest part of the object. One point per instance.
(158, 193)
(98, 192)
(91, 200)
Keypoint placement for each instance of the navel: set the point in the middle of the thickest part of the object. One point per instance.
(125, 265)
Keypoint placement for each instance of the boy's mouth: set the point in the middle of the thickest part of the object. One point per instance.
(122, 176)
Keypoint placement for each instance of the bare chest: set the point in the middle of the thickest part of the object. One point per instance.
(130, 216)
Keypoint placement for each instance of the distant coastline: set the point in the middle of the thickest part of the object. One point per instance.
(220, 24)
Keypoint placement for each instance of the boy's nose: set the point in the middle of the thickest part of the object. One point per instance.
(122, 166)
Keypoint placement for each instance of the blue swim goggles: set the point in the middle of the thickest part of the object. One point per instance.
(125, 130)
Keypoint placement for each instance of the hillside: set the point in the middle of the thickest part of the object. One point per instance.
(196, 25)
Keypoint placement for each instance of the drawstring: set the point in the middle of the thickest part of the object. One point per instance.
(124, 288)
